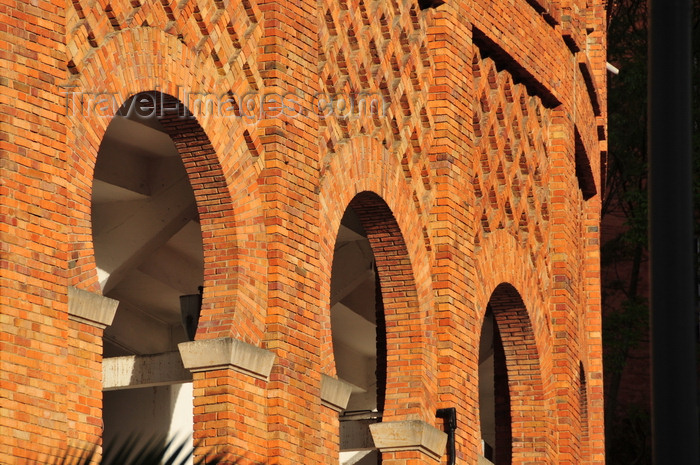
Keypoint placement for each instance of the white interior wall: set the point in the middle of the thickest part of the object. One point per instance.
(159, 413)
(182, 419)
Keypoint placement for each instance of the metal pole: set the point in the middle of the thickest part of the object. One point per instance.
(674, 382)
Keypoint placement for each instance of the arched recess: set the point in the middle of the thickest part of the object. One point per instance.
(359, 338)
(512, 408)
(158, 194)
(377, 326)
(364, 165)
(502, 260)
(148, 248)
(222, 170)
(362, 168)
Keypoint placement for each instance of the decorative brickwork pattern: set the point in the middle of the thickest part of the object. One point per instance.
(469, 138)
(511, 130)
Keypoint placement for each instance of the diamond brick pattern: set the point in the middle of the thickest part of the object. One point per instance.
(511, 131)
(227, 33)
(394, 75)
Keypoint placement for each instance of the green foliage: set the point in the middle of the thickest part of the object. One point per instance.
(154, 452)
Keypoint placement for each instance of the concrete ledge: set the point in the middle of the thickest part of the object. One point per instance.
(484, 461)
(222, 353)
(137, 371)
(90, 308)
(335, 393)
(409, 435)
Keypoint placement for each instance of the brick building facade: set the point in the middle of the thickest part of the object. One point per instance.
(391, 208)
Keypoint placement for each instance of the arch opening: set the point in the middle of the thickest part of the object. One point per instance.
(494, 395)
(359, 338)
(149, 255)
(511, 395)
(400, 388)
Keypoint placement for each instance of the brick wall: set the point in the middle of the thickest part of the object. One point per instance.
(33, 220)
(477, 179)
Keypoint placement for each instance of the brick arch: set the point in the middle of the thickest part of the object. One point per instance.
(404, 325)
(511, 287)
(368, 178)
(527, 408)
(503, 260)
(225, 187)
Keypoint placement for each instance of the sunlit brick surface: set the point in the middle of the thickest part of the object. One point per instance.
(469, 138)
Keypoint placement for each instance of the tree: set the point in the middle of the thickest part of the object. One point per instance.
(624, 253)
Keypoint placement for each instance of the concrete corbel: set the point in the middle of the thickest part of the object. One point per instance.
(90, 308)
(335, 393)
(226, 352)
(409, 435)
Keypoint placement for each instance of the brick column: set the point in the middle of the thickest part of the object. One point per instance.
(453, 220)
(88, 314)
(230, 388)
(289, 185)
(566, 308)
(596, 53)
(33, 218)
(594, 450)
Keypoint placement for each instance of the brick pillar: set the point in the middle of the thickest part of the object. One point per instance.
(566, 308)
(33, 215)
(230, 380)
(453, 226)
(335, 394)
(89, 314)
(289, 185)
(595, 51)
(593, 337)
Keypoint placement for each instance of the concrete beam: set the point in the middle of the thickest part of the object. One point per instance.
(355, 435)
(350, 284)
(174, 269)
(90, 308)
(125, 239)
(146, 134)
(123, 166)
(409, 435)
(138, 371)
(140, 332)
(222, 353)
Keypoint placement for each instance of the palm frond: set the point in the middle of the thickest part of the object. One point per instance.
(155, 451)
